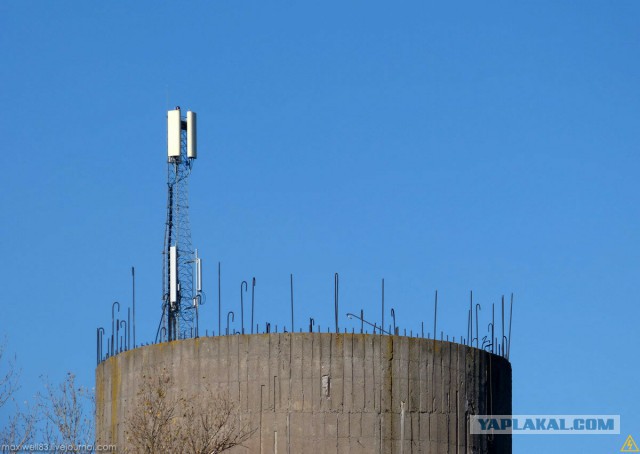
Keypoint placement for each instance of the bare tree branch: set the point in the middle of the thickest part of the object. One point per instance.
(202, 424)
(151, 428)
(21, 425)
(211, 424)
(19, 430)
(64, 410)
(8, 378)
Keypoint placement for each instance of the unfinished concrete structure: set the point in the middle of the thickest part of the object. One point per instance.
(326, 393)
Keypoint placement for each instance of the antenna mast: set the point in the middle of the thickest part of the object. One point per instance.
(180, 295)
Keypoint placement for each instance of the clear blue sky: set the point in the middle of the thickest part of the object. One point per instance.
(490, 146)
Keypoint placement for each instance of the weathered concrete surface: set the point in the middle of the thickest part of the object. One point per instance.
(326, 393)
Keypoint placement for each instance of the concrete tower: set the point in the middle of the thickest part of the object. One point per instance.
(303, 392)
(326, 393)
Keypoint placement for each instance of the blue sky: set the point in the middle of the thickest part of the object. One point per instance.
(452, 146)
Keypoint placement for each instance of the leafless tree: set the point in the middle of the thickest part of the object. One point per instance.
(68, 413)
(21, 424)
(152, 427)
(8, 378)
(19, 430)
(211, 424)
(189, 424)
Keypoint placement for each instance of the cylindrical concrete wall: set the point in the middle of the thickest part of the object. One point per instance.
(325, 393)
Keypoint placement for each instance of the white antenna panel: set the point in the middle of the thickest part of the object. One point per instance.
(173, 275)
(199, 274)
(192, 148)
(173, 133)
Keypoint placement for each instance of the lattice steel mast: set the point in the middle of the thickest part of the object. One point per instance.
(180, 295)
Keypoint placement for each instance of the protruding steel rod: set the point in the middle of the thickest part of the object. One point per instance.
(253, 291)
(230, 313)
(375, 327)
(393, 316)
(468, 323)
(336, 290)
(122, 339)
(102, 334)
(243, 283)
(293, 329)
(510, 318)
(196, 302)
(493, 324)
(124, 334)
(99, 337)
(502, 341)
(477, 331)
(117, 335)
(485, 342)
(128, 328)
(312, 322)
(471, 318)
(112, 323)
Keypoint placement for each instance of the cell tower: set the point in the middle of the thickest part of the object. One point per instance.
(181, 295)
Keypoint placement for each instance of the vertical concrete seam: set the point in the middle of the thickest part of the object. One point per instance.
(331, 371)
(380, 408)
(269, 371)
(289, 395)
(337, 432)
(364, 373)
(449, 392)
(313, 375)
(302, 372)
(456, 403)
(420, 385)
(408, 396)
(351, 359)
